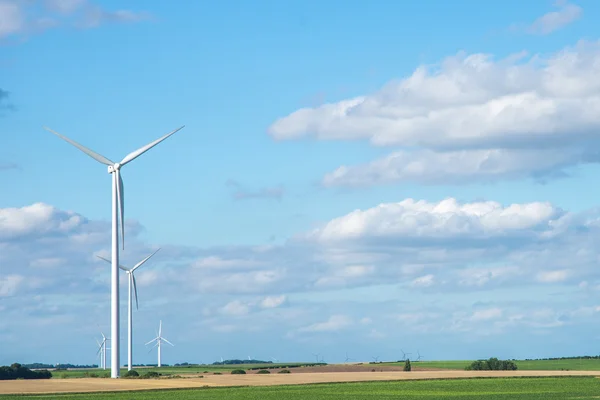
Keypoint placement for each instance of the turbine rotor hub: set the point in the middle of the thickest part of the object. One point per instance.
(114, 167)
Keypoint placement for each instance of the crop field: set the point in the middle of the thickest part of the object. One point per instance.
(494, 388)
(523, 365)
(171, 370)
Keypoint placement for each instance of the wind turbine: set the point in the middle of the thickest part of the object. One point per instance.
(404, 354)
(118, 213)
(132, 285)
(102, 350)
(159, 339)
(376, 359)
(316, 355)
(347, 358)
(419, 356)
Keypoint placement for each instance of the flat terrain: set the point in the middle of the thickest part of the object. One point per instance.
(74, 385)
(554, 388)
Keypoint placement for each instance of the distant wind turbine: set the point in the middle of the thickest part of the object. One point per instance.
(347, 358)
(376, 359)
(102, 350)
(316, 355)
(132, 290)
(404, 354)
(159, 339)
(118, 213)
(419, 356)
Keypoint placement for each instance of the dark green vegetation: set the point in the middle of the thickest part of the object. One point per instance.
(238, 372)
(407, 366)
(17, 371)
(493, 364)
(263, 371)
(459, 389)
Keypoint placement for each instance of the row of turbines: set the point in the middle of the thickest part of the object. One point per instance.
(118, 215)
(157, 344)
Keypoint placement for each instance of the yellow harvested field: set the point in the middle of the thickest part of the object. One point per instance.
(105, 384)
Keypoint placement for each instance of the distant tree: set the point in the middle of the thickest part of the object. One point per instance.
(492, 364)
(407, 366)
(263, 371)
(238, 372)
(17, 371)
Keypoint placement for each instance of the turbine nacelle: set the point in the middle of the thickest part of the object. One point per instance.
(114, 167)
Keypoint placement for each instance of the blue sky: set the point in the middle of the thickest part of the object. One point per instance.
(297, 114)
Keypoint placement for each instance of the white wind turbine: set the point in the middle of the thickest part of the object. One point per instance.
(118, 213)
(132, 290)
(159, 339)
(102, 350)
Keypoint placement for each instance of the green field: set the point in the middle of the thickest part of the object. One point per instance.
(494, 388)
(195, 369)
(530, 365)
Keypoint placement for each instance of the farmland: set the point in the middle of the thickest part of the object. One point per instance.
(495, 388)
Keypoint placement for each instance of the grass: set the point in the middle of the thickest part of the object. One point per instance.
(188, 369)
(492, 388)
(523, 365)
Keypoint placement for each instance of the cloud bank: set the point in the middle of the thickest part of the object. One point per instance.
(470, 119)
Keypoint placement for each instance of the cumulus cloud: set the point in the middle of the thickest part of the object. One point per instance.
(411, 219)
(49, 275)
(471, 118)
(26, 17)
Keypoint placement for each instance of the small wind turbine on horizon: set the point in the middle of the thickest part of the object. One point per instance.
(118, 214)
(316, 355)
(347, 358)
(132, 287)
(102, 350)
(159, 339)
(419, 356)
(376, 359)
(404, 354)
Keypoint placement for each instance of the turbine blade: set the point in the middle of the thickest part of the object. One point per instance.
(108, 261)
(121, 201)
(160, 328)
(151, 341)
(134, 290)
(135, 154)
(136, 266)
(153, 347)
(168, 342)
(98, 157)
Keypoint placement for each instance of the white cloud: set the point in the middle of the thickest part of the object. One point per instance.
(554, 20)
(447, 218)
(236, 307)
(10, 284)
(423, 281)
(553, 276)
(472, 119)
(25, 17)
(485, 315)
(333, 324)
(273, 301)
(48, 273)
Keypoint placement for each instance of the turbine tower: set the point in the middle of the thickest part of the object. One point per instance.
(159, 339)
(132, 290)
(118, 213)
